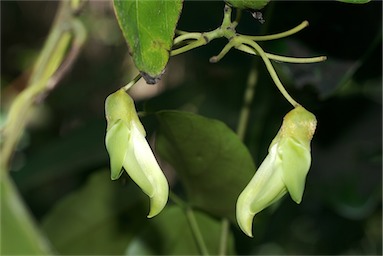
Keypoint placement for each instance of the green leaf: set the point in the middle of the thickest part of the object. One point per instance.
(248, 4)
(75, 152)
(19, 234)
(93, 220)
(170, 234)
(148, 28)
(354, 1)
(213, 164)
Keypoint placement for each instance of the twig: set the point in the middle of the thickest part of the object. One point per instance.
(46, 74)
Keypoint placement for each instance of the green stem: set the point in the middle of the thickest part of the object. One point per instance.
(279, 35)
(237, 18)
(247, 100)
(186, 36)
(43, 67)
(192, 222)
(296, 60)
(180, 32)
(250, 50)
(202, 39)
(131, 83)
(199, 42)
(225, 50)
(79, 32)
(196, 231)
(226, 23)
(225, 224)
(42, 79)
(270, 68)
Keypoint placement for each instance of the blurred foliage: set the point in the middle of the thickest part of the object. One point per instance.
(170, 234)
(186, 141)
(16, 222)
(57, 166)
(101, 217)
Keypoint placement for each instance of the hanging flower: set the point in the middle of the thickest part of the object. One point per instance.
(128, 150)
(283, 170)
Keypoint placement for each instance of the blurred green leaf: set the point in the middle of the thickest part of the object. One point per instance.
(213, 164)
(19, 234)
(371, 89)
(170, 233)
(76, 151)
(92, 220)
(349, 202)
(148, 28)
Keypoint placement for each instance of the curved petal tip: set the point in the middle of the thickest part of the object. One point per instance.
(244, 217)
(157, 203)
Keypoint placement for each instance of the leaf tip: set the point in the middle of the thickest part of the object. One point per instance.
(150, 79)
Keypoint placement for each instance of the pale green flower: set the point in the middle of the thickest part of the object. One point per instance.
(283, 170)
(128, 150)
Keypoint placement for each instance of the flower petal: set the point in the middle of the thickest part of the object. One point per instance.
(116, 141)
(294, 149)
(151, 170)
(265, 188)
(296, 161)
(134, 169)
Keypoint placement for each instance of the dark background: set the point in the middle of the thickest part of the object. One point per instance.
(341, 208)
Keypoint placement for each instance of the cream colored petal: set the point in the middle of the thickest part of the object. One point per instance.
(131, 165)
(265, 188)
(149, 166)
(296, 164)
(116, 142)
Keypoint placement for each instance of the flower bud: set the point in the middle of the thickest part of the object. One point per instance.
(283, 170)
(128, 150)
